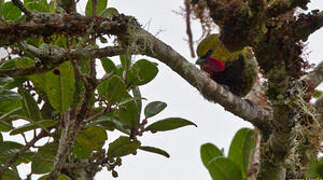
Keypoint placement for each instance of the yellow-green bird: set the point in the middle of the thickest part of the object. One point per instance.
(237, 70)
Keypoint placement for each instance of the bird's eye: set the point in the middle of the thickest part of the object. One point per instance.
(209, 52)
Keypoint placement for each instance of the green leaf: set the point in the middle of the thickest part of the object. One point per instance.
(317, 93)
(108, 65)
(101, 5)
(110, 12)
(1, 138)
(7, 95)
(40, 5)
(169, 124)
(142, 72)
(9, 101)
(222, 168)
(125, 61)
(7, 125)
(30, 106)
(80, 152)
(122, 146)
(154, 108)
(129, 114)
(136, 93)
(119, 70)
(39, 80)
(60, 177)
(10, 11)
(60, 87)
(131, 99)
(9, 149)
(33, 125)
(92, 138)
(315, 169)
(63, 177)
(154, 150)
(104, 121)
(208, 152)
(10, 175)
(44, 159)
(17, 82)
(112, 89)
(242, 149)
(47, 111)
(8, 64)
(5, 80)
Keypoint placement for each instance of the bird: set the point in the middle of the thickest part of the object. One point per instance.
(237, 71)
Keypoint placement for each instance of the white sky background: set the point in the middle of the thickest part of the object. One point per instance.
(215, 125)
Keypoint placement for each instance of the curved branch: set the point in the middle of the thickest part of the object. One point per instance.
(212, 91)
(315, 77)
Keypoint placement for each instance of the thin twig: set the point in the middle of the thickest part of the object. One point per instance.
(94, 7)
(13, 159)
(188, 26)
(21, 6)
(105, 77)
(95, 116)
(59, 56)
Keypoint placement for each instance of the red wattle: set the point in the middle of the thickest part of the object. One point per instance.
(215, 64)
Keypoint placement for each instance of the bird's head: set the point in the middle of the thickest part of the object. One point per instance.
(212, 54)
(210, 64)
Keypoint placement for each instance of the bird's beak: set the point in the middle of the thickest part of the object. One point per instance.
(200, 61)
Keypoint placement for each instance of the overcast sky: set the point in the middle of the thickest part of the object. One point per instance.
(215, 125)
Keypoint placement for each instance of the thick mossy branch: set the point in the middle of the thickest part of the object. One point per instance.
(151, 46)
(279, 48)
(306, 24)
(240, 24)
(278, 7)
(45, 24)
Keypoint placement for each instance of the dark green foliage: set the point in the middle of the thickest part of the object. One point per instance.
(239, 160)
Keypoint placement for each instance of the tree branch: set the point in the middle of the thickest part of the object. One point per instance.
(46, 24)
(55, 58)
(319, 107)
(306, 24)
(13, 159)
(68, 135)
(212, 91)
(279, 7)
(315, 77)
(21, 6)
